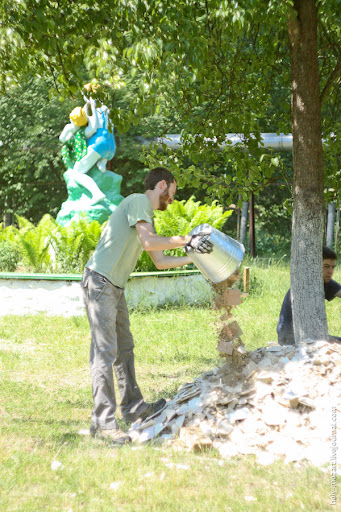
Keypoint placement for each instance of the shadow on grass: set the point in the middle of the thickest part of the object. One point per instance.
(59, 432)
(71, 438)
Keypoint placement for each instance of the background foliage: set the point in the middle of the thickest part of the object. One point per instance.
(49, 247)
(204, 68)
(31, 171)
(34, 151)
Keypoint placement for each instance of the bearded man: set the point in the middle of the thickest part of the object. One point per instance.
(129, 231)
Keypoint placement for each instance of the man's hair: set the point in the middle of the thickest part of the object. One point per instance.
(156, 175)
(329, 254)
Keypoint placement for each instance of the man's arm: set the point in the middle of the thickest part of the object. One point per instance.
(338, 294)
(152, 242)
(162, 261)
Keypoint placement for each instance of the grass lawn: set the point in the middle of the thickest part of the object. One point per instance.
(45, 399)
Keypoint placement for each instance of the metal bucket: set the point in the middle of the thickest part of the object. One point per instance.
(225, 258)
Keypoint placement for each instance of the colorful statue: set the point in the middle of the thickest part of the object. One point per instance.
(88, 144)
(101, 142)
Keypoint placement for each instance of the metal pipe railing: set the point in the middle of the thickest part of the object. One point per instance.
(273, 141)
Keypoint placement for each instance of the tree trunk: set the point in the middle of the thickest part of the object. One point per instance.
(238, 219)
(8, 217)
(307, 292)
(330, 225)
(252, 226)
(243, 222)
(7, 220)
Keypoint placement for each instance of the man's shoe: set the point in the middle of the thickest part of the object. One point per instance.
(145, 411)
(93, 430)
(152, 409)
(115, 435)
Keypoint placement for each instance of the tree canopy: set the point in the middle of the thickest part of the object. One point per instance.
(210, 67)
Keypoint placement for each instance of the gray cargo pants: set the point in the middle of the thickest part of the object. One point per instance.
(111, 345)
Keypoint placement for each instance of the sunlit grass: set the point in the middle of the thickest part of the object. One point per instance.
(45, 399)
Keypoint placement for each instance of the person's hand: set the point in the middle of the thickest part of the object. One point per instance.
(199, 243)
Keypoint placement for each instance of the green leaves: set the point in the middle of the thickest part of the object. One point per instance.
(48, 247)
(72, 245)
(9, 256)
(34, 243)
(30, 163)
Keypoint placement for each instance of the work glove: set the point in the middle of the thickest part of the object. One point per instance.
(199, 243)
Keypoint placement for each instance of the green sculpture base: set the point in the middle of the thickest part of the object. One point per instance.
(79, 204)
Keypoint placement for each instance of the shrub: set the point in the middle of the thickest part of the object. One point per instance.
(49, 247)
(34, 243)
(182, 216)
(9, 256)
(73, 244)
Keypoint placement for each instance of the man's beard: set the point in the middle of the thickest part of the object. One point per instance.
(163, 200)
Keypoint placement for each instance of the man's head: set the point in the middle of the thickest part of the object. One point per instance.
(163, 183)
(329, 264)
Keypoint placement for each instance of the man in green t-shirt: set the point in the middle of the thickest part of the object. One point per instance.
(128, 232)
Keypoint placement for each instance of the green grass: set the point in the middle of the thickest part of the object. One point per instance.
(45, 399)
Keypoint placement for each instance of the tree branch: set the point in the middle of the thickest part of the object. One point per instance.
(52, 73)
(331, 80)
(61, 63)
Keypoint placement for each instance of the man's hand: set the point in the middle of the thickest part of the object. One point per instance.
(199, 243)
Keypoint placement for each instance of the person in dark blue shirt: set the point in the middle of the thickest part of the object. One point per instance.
(332, 289)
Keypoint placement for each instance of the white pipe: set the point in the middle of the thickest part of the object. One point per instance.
(330, 225)
(279, 142)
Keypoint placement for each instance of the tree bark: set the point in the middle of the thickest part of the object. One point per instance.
(8, 216)
(7, 220)
(238, 219)
(330, 225)
(243, 222)
(252, 226)
(307, 292)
